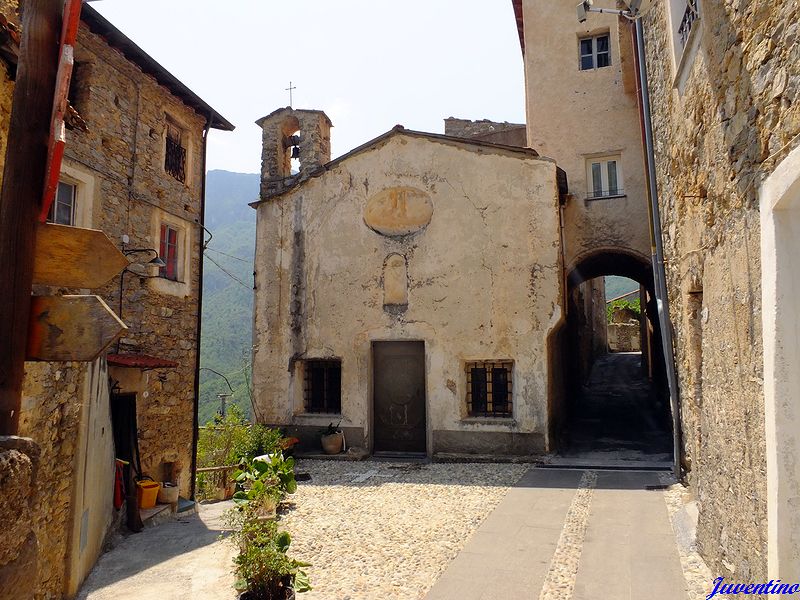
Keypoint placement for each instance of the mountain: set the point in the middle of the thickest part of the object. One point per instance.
(616, 286)
(227, 318)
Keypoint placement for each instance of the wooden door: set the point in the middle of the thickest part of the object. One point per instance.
(399, 396)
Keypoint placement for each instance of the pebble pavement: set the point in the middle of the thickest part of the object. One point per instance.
(384, 529)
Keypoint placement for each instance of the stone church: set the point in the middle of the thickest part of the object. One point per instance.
(407, 289)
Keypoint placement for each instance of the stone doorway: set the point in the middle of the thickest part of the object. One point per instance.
(399, 420)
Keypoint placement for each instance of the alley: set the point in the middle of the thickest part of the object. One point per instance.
(179, 560)
(618, 415)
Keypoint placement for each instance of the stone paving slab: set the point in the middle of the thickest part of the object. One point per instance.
(571, 534)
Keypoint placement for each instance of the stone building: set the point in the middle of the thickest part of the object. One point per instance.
(407, 289)
(725, 93)
(582, 110)
(137, 172)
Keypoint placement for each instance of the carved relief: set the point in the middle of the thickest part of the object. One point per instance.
(398, 211)
(395, 280)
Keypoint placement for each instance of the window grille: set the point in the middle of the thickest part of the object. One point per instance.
(175, 156)
(489, 388)
(322, 386)
(690, 15)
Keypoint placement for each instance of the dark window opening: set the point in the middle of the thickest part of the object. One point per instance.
(175, 156)
(322, 389)
(489, 389)
(169, 252)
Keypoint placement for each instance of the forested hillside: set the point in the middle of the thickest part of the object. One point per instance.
(227, 290)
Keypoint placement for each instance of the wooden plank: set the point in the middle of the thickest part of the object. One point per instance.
(75, 257)
(71, 328)
(23, 181)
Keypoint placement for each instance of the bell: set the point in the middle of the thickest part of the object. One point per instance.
(295, 152)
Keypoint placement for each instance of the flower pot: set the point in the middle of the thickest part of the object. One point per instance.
(333, 443)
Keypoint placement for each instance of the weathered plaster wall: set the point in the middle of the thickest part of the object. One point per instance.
(483, 283)
(732, 115)
(574, 115)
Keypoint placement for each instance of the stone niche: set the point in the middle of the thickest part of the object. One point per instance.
(395, 281)
(398, 211)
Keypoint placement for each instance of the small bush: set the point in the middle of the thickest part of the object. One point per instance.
(262, 565)
(226, 442)
(634, 307)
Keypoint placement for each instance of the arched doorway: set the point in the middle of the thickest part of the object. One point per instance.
(615, 397)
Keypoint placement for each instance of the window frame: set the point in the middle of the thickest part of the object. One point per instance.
(53, 212)
(685, 45)
(331, 402)
(595, 52)
(605, 176)
(487, 407)
(171, 258)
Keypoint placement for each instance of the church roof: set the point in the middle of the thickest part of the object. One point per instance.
(469, 143)
(294, 110)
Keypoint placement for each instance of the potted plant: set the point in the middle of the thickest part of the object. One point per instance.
(332, 439)
(263, 569)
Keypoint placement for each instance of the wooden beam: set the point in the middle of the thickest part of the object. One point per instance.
(23, 186)
(74, 257)
(71, 328)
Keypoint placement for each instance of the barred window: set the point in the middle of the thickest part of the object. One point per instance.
(175, 155)
(322, 386)
(489, 388)
(690, 15)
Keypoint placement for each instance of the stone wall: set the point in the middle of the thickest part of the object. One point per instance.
(721, 123)
(52, 401)
(123, 189)
(122, 159)
(510, 134)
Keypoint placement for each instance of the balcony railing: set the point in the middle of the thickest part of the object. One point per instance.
(609, 193)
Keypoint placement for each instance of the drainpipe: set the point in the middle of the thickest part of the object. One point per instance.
(201, 247)
(657, 248)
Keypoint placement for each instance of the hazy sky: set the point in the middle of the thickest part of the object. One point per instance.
(369, 64)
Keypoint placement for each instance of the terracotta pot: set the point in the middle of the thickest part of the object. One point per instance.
(333, 443)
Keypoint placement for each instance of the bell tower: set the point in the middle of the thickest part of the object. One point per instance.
(292, 133)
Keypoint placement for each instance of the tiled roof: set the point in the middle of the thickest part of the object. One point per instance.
(140, 361)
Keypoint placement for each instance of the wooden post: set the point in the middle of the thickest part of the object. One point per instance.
(23, 185)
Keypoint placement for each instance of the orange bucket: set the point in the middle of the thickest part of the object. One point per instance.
(146, 493)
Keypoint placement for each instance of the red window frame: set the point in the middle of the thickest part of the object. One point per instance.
(169, 252)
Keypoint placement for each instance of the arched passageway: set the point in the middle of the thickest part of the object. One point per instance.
(614, 403)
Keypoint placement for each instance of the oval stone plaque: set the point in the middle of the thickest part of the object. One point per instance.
(398, 211)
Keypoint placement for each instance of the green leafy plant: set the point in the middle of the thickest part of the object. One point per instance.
(262, 565)
(634, 306)
(331, 429)
(227, 441)
(255, 477)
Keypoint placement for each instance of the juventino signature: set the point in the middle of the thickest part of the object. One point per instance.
(773, 587)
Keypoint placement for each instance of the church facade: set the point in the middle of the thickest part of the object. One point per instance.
(407, 290)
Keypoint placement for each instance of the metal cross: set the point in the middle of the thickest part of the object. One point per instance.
(289, 89)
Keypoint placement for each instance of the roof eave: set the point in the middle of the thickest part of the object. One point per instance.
(99, 25)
